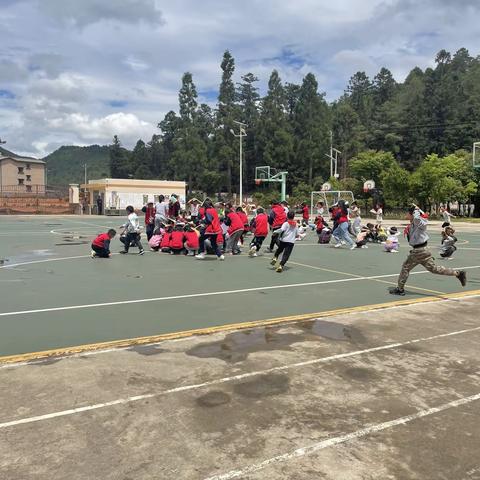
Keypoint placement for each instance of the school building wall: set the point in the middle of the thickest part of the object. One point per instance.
(21, 174)
(118, 193)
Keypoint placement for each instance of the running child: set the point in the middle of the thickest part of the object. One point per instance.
(305, 214)
(149, 211)
(287, 236)
(131, 232)
(260, 230)
(235, 229)
(276, 219)
(211, 231)
(101, 244)
(417, 236)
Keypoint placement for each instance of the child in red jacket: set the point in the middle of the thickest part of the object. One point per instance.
(165, 243)
(192, 242)
(101, 244)
(260, 225)
(176, 240)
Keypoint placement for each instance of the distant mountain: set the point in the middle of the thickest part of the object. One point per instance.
(5, 152)
(67, 164)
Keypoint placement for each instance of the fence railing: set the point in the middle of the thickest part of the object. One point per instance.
(33, 191)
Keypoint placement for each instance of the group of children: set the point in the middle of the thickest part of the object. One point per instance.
(208, 232)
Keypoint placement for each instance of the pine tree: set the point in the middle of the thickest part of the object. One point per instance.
(141, 161)
(312, 126)
(118, 159)
(190, 153)
(275, 139)
(225, 152)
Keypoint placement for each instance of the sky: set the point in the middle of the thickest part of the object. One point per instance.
(77, 72)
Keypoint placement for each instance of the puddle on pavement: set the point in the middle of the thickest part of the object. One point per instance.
(28, 256)
(146, 349)
(213, 399)
(333, 331)
(236, 346)
(263, 386)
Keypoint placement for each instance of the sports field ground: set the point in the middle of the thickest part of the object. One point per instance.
(167, 367)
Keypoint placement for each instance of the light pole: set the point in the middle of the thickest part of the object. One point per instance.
(242, 133)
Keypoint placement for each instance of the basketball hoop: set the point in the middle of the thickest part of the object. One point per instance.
(368, 185)
(258, 181)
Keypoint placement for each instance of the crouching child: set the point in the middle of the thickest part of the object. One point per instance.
(101, 244)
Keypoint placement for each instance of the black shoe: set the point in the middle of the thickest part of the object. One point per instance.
(142, 252)
(462, 277)
(123, 251)
(396, 291)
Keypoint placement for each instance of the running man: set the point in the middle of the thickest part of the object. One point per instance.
(420, 254)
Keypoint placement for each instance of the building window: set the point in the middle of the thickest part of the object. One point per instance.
(29, 178)
(20, 170)
(28, 166)
(20, 181)
(29, 188)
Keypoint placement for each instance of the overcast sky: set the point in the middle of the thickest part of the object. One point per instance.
(76, 72)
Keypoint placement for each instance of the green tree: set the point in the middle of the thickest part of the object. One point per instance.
(312, 126)
(274, 137)
(190, 154)
(119, 164)
(370, 164)
(443, 179)
(225, 151)
(141, 161)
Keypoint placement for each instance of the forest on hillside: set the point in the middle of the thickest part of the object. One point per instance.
(414, 138)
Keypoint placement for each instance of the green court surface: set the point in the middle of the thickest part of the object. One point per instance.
(54, 296)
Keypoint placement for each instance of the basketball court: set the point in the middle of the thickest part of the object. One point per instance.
(167, 367)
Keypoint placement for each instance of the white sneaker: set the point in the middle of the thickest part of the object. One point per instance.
(93, 254)
(221, 257)
(353, 247)
(254, 254)
(200, 256)
(343, 242)
(337, 245)
(394, 251)
(252, 251)
(365, 246)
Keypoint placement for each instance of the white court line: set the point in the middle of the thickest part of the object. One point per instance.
(207, 294)
(122, 401)
(43, 261)
(330, 442)
(185, 339)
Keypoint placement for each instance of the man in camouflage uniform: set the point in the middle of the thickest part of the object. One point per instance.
(420, 254)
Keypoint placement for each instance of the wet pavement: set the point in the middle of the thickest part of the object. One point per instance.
(318, 399)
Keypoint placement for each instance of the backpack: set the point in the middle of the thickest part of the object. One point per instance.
(325, 236)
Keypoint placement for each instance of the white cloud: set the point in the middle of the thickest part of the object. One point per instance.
(85, 12)
(69, 62)
(125, 125)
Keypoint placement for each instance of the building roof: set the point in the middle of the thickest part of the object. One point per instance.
(21, 159)
(4, 154)
(129, 182)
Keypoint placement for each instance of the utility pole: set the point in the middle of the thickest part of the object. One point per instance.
(242, 133)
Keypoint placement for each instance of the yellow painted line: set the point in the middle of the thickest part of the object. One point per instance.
(25, 357)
